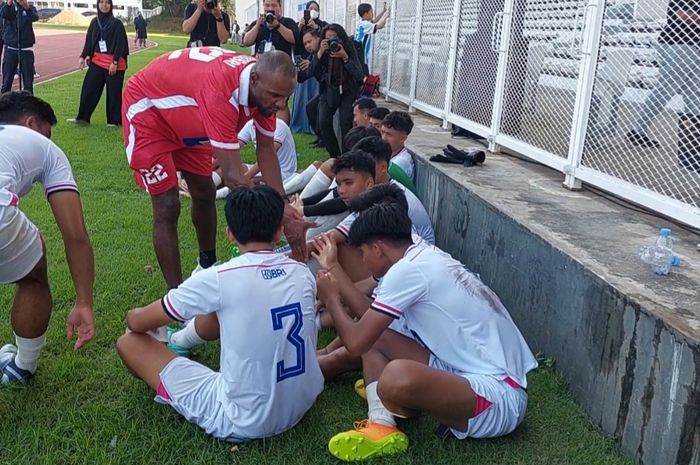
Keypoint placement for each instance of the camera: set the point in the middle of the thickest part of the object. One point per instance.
(334, 45)
(211, 5)
(270, 17)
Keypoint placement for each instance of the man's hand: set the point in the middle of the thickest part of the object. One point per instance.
(201, 5)
(327, 289)
(82, 320)
(342, 54)
(304, 65)
(275, 24)
(218, 14)
(297, 204)
(322, 48)
(112, 69)
(295, 231)
(327, 252)
(261, 20)
(81, 63)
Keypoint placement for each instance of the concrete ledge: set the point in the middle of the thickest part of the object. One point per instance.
(566, 266)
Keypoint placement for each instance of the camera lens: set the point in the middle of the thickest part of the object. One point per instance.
(269, 17)
(211, 5)
(334, 45)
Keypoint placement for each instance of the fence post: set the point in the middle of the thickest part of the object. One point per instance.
(451, 62)
(589, 46)
(389, 64)
(416, 54)
(503, 48)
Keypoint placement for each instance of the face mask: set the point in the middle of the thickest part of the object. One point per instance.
(313, 14)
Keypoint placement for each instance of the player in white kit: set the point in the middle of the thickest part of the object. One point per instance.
(27, 156)
(261, 306)
(465, 362)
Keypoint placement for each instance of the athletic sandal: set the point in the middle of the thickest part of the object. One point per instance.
(11, 373)
(177, 349)
(366, 441)
(360, 388)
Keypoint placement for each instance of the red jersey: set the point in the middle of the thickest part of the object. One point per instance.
(200, 95)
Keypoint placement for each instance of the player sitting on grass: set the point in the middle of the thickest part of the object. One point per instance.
(27, 157)
(261, 306)
(396, 127)
(466, 362)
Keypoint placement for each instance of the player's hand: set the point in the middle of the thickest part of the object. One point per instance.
(326, 253)
(297, 204)
(301, 24)
(342, 54)
(304, 65)
(81, 63)
(295, 231)
(327, 289)
(112, 69)
(81, 320)
(322, 48)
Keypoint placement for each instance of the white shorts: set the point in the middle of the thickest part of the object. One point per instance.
(192, 390)
(502, 405)
(20, 245)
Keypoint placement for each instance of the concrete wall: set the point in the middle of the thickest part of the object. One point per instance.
(637, 378)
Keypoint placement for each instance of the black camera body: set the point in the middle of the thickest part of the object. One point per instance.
(270, 17)
(334, 45)
(211, 4)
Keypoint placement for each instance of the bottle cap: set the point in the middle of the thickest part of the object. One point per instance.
(665, 232)
(676, 261)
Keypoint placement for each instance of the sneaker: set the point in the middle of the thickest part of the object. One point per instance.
(367, 440)
(11, 373)
(641, 140)
(360, 388)
(77, 122)
(179, 350)
(111, 126)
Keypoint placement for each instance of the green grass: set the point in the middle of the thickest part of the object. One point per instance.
(79, 402)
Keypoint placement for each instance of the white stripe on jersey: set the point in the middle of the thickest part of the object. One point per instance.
(165, 103)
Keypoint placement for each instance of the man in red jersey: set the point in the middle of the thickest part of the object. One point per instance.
(182, 109)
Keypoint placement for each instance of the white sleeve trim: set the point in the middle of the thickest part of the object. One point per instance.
(224, 145)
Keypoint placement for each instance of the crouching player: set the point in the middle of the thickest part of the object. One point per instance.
(261, 306)
(466, 361)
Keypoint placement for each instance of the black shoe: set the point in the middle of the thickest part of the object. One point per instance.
(641, 140)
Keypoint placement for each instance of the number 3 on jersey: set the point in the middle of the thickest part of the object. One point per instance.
(294, 338)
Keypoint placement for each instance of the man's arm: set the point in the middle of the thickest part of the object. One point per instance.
(142, 320)
(231, 167)
(269, 164)
(190, 23)
(223, 26)
(68, 212)
(32, 13)
(380, 22)
(288, 33)
(251, 35)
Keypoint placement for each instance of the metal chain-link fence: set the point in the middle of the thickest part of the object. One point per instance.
(606, 91)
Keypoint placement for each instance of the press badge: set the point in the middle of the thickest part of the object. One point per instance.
(103, 46)
(267, 47)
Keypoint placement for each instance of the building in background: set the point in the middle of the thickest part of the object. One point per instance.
(126, 9)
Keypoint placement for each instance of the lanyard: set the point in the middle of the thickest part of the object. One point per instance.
(99, 24)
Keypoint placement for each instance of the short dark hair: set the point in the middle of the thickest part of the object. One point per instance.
(364, 103)
(309, 30)
(18, 104)
(378, 148)
(399, 120)
(380, 193)
(254, 214)
(355, 160)
(385, 221)
(379, 113)
(356, 134)
(363, 9)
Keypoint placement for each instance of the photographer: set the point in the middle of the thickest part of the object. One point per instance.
(339, 72)
(18, 15)
(206, 24)
(272, 31)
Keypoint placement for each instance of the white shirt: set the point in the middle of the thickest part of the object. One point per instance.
(287, 153)
(269, 375)
(27, 157)
(363, 33)
(405, 161)
(416, 211)
(454, 315)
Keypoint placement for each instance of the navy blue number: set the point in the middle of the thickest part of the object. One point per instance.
(294, 338)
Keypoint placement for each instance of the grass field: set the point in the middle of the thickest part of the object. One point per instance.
(84, 408)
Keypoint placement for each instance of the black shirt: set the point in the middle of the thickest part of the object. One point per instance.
(678, 32)
(274, 36)
(205, 30)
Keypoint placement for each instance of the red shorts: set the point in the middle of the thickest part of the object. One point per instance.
(156, 153)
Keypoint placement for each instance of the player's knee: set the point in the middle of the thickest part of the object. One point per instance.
(166, 209)
(327, 167)
(124, 343)
(317, 164)
(395, 381)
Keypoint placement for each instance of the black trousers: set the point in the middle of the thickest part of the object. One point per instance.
(95, 80)
(326, 112)
(312, 114)
(9, 66)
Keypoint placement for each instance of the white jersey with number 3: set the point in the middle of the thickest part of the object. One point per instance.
(269, 375)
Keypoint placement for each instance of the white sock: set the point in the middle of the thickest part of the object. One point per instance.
(187, 337)
(28, 351)
(377, 412)
(298, 181)
(216, 178)
(222, 193)
(318, 183)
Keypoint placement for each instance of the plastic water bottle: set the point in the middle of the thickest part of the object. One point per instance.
(660, 255)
